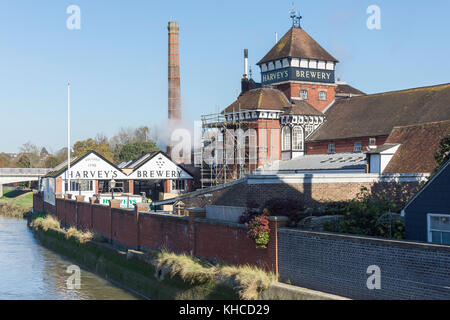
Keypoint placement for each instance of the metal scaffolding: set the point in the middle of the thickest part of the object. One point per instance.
(220, 169)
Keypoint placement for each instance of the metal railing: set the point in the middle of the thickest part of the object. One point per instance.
(24, 171)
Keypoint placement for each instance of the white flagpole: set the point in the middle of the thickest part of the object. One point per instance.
(68, 138)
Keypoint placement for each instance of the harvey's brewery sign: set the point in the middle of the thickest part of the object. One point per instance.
(159, 167)
(297, 74)
(94, 167)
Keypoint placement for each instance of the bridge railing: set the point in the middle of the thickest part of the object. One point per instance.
(24, 171)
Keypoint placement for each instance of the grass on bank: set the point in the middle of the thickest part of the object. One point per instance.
(15, 203)
(248, 281)
(46, 222)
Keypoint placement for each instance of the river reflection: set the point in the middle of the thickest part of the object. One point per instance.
(29, 271)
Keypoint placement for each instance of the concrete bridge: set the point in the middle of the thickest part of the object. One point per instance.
(11, 175)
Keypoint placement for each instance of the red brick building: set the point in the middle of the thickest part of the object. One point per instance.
(299, 108)
(365, 122)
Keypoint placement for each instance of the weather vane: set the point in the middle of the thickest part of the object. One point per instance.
(296, 17)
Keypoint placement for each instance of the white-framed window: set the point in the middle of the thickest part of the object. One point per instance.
(308, 130)
(322, 95)
(372, 141)
(304, 94)
(178, 185)
(286, 138)
(297, 138)
(357, 147)
(331, 148)
(86, 185)
(439, 228)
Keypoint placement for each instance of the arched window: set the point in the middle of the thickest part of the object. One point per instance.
(286, 139)
(297, 138)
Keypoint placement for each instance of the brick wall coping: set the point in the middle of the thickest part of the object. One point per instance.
(221, 222)
(374, 240)
(127, 210)
(234, 224)
(335, 178)
(165, 215)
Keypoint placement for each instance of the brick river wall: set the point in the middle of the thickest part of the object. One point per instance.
(193, 234)
(332, 263)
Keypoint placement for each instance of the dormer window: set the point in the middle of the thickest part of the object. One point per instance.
(304, 94)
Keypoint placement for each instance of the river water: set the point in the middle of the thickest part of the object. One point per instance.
(29, 271)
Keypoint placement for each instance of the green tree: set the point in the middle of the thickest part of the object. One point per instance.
(24, 161)
(444, 153)
(32, 152)
(82, 147)
(134, 150)
(5, 161)
(51, 161)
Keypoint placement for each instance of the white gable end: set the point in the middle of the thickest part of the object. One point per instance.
(159, 167)
(93, 167)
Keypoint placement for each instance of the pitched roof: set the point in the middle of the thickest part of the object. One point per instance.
(261, 98)
(338, 161)
(131, 164)
(141, 161)
(297, 43)
(419, 143)
(73, 161)
(346, 90)
(301, 107)
(377, 114)
(382, 148)
(435, 179)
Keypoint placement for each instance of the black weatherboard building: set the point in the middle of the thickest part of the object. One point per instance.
(427, 215)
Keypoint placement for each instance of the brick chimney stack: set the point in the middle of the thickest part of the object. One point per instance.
(174, 72)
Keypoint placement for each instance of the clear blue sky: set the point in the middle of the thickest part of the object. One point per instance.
(117, 62)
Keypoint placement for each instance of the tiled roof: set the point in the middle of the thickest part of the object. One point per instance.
(61, 168)
(345, 90)
(382, 148)
(301, 107)
(132, 164)
(419, 143)
(377, 114)
(298, 44)
(261, 98)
